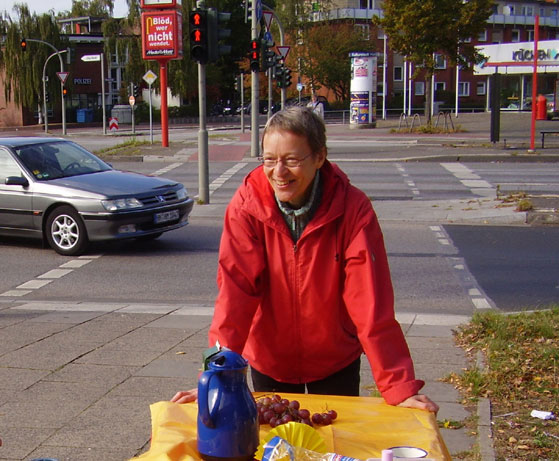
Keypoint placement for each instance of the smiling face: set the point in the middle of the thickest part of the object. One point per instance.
(292, 185)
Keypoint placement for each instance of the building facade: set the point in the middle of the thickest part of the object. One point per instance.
(511, 22)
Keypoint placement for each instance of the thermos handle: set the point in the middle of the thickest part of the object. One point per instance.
(206, 416)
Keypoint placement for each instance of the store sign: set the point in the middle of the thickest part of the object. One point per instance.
(82, 81)
(515, 57)
(162, 35)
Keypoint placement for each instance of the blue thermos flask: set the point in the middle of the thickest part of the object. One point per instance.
(227, 415)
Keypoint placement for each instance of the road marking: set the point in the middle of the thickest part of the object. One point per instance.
(469, 179)
(75, 263)
(55, 274)
(166, 169)
(33, 284)
(226, 176)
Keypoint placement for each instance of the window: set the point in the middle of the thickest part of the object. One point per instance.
(398, 74)
(482, 36)
(508, 10)
(440, 61)
(515, 36)
(8, 166)
(526, 11)
(554, 13)
(463, 88)
(364, 30)
(530, 35)
(419, 88)
(481, 88)
(440, 86)
(380, 34)
(497, 36)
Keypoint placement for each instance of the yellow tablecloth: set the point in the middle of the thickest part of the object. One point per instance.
(364, 427)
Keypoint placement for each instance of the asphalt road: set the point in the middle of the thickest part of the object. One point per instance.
(515, 266)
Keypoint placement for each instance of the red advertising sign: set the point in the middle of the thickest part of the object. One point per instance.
(162, 35)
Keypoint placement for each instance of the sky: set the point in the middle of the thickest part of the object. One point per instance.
(43, 6)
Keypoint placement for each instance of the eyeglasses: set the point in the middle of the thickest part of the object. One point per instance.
(289, 162)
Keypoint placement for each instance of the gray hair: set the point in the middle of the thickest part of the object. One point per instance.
(301, 121)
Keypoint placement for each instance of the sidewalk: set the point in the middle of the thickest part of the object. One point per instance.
(77, 379)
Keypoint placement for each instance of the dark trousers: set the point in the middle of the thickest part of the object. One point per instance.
(343, 382)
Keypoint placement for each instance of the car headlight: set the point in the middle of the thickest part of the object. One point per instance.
(182, 193)
(121, 204)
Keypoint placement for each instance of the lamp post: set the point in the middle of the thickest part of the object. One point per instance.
(45, 94)
(44, 84)
(96, 58)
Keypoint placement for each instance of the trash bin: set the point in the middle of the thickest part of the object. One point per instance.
(541, 107)
(84, 115)
(437, 107)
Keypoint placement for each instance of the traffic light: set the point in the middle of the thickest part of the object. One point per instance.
(254, 56)
(278, 75)
(268, 55)
(23, 44)
(199, 35)
(47, 97)
(216, 32)
(136, 90)
(64, 91)
(286, 78)
(70, 55)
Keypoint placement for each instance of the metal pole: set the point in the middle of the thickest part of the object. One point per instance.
(384, 82)
(255, 103)
(132, 109)
(46, 113)
(103, 93)
(164, 113)
(150, 117)
(535, 83)
(457, 87)
(242, 88)
(269, 93)
(405, 85)
(203, 168)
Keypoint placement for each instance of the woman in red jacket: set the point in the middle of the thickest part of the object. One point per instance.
(303, 277)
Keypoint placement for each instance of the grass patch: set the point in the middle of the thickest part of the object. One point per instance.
(131, 147)
(520, 374)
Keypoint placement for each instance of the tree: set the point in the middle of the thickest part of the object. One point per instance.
(417, 29)
(25, 88)
(325, 55)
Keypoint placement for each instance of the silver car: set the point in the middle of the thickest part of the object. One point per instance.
(55, 189)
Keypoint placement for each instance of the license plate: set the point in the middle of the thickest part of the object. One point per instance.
(166, 216)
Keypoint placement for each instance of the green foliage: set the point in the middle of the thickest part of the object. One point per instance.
(25, 88)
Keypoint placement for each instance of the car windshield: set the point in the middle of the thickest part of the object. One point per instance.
(58, 159)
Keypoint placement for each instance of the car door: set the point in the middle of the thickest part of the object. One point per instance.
(15, 199)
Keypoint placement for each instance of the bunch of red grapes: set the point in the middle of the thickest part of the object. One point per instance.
(274, 410)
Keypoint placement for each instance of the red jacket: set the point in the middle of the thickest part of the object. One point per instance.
(300, 312)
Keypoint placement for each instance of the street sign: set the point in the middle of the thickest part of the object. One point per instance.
(283, 50)
(268, 36)
(268, 15)
(113, 124)
(63, 76)
(132, 100)
(299, 87)
(91, 58)
(149, 77)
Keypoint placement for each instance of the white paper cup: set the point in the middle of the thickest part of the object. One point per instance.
(408, 452)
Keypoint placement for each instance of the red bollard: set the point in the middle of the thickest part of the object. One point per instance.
(541, 107)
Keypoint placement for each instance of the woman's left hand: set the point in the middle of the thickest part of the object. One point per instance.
(185, 396)
(421, 402)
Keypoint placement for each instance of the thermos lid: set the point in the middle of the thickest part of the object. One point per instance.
(227, 360)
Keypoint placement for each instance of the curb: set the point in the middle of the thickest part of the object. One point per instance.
(484, 433)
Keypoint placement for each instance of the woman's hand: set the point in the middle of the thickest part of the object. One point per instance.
(421, 402)
(185, 396)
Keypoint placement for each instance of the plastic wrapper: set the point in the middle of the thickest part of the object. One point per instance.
(277, 449)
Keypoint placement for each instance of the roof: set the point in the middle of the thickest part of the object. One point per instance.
(17, 141)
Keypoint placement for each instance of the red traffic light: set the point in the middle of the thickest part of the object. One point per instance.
(23, 45)
(196, 19)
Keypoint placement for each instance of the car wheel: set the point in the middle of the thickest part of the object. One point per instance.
(66, 232)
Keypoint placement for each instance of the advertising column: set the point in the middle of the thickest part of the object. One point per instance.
(363, 90)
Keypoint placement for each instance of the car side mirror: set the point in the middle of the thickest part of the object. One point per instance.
(17, 181)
